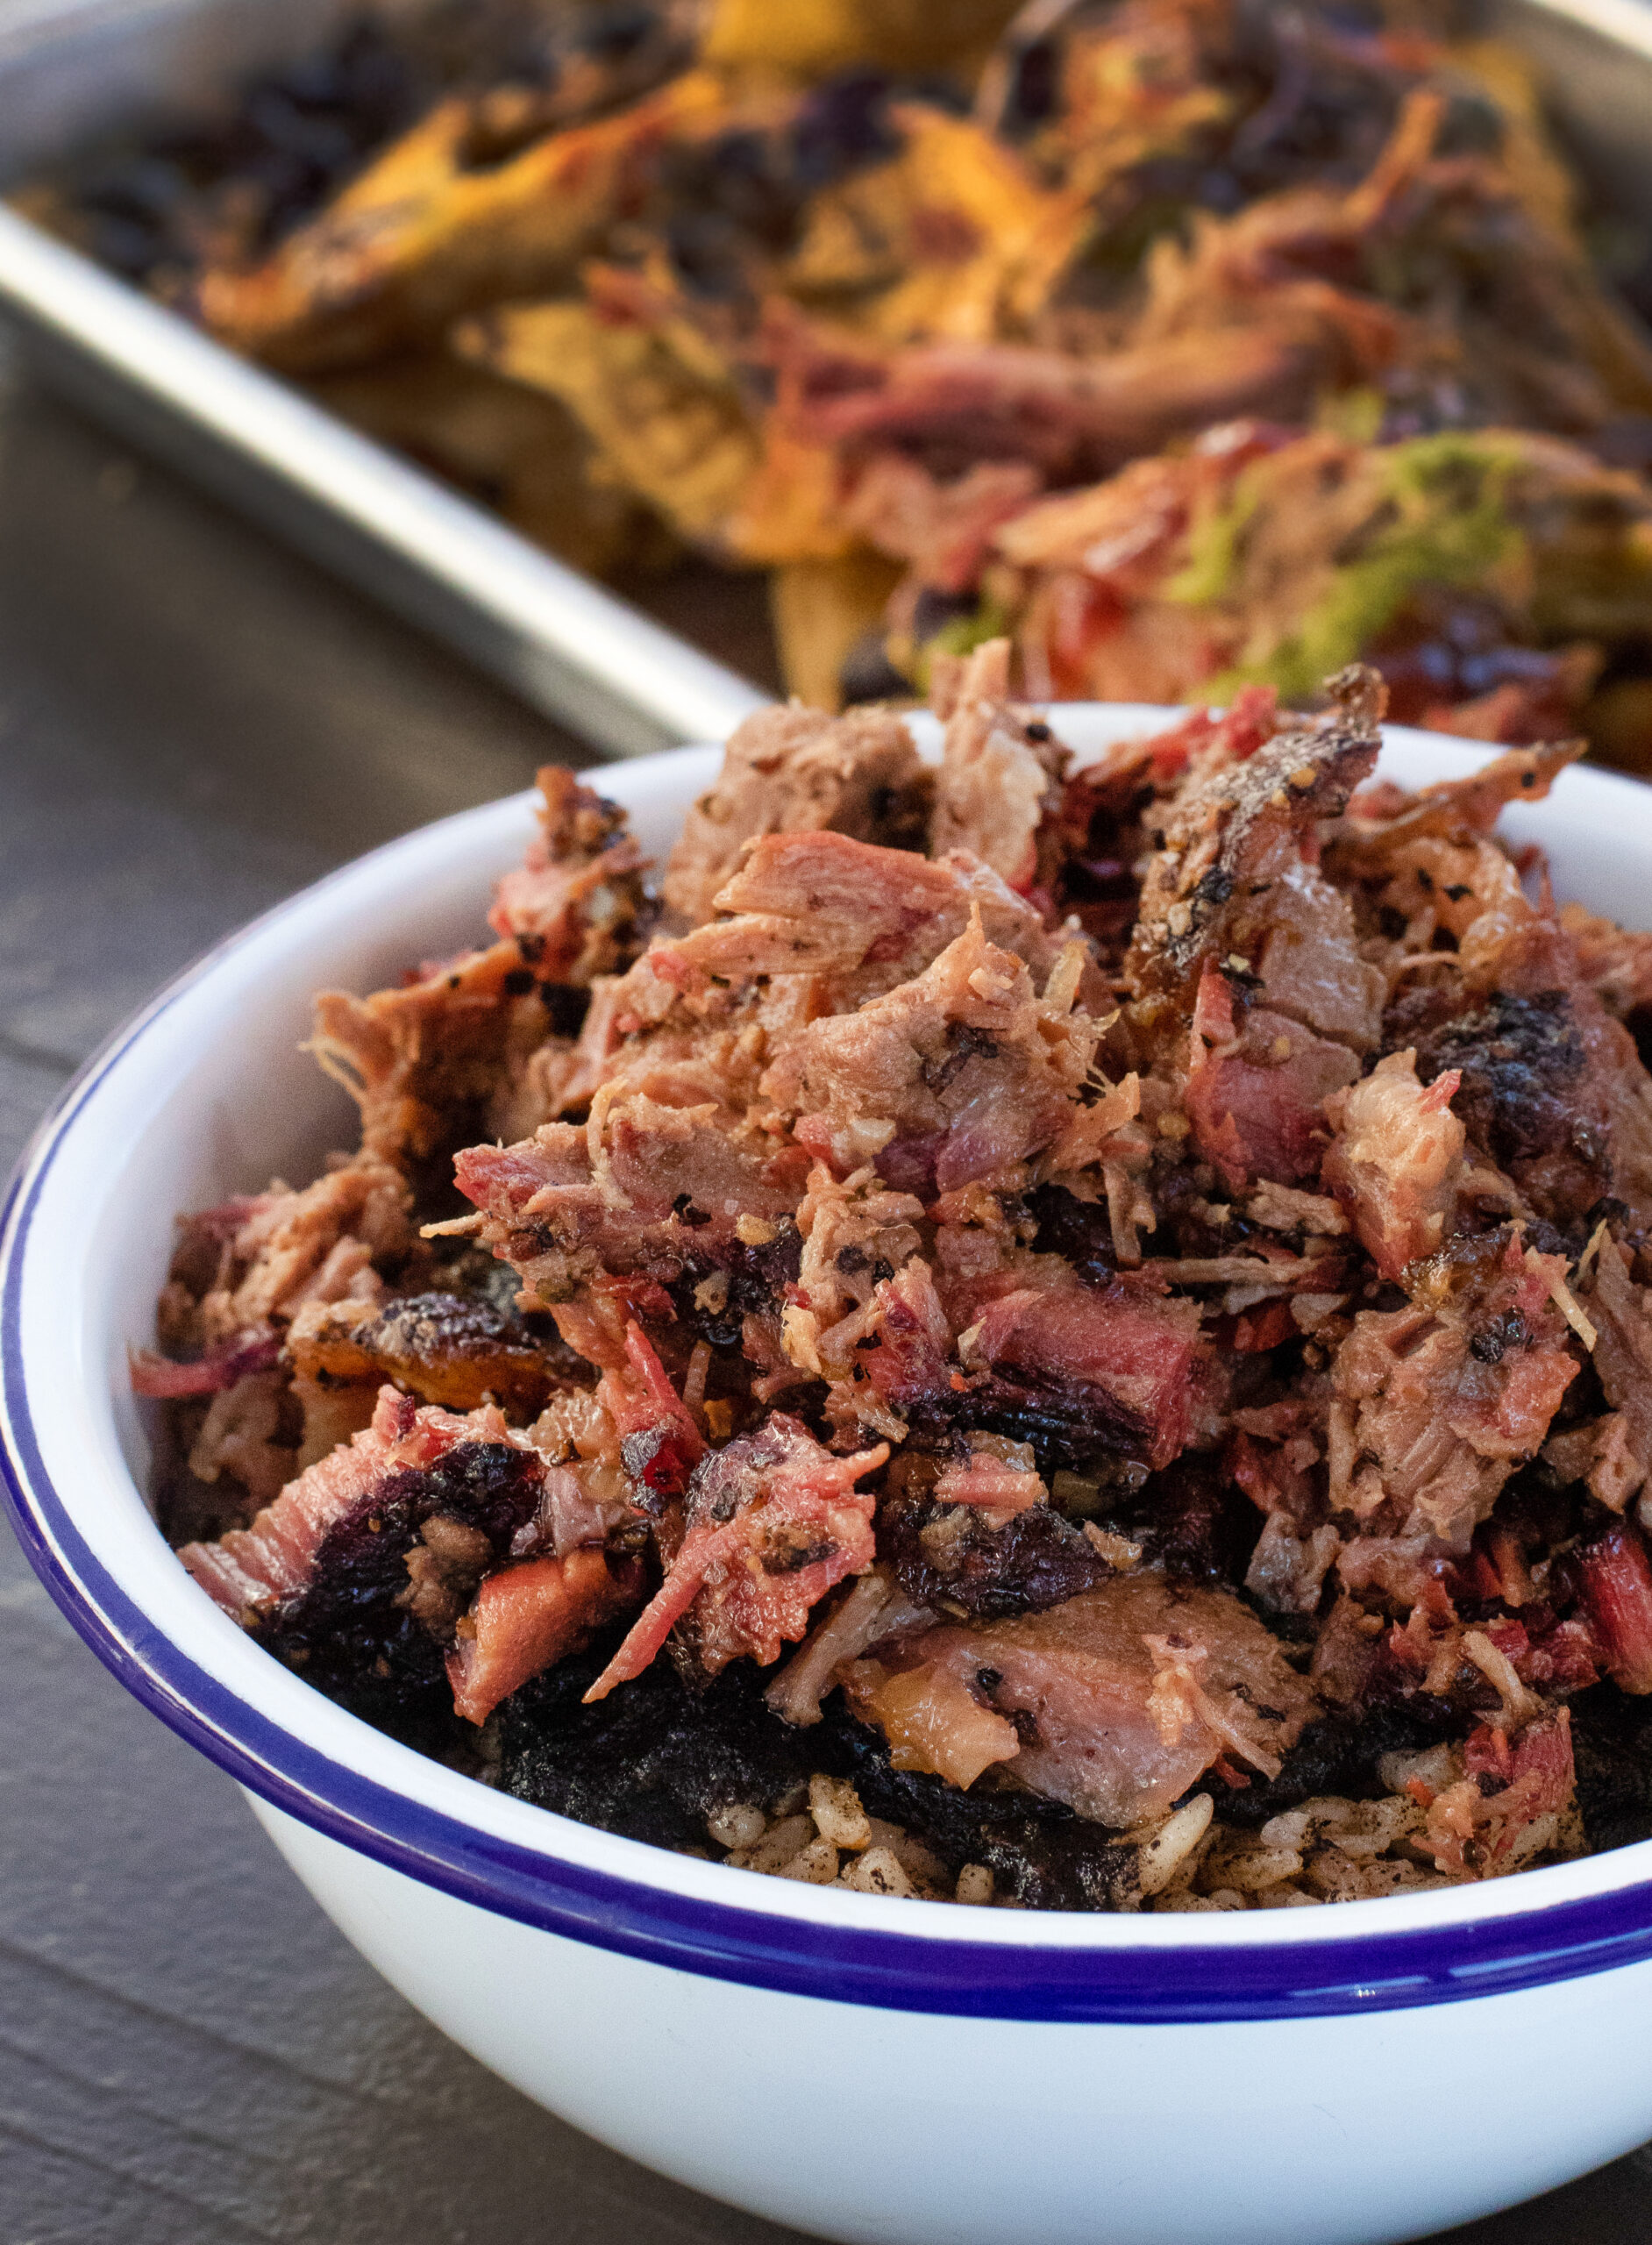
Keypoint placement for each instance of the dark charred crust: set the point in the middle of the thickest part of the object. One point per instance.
(658, 1756)
(452, 1348)
(1038, 1851)
(948, 1556)
(1080, 1231)
(1522, 1058)
(355, 1633)
(426, 1327)
(1195, 1523)
(757, 1277)
(1338, 1753)
(1212, 833)
(1062, 1867)
(1070, 1426)
(565, 1006)
(1611, 1747)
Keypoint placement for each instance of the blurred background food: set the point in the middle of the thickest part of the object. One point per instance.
(1193, 343)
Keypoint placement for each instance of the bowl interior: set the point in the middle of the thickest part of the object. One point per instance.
(210, 1093)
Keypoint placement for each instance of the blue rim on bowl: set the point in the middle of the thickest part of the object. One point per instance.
(1116, 1970)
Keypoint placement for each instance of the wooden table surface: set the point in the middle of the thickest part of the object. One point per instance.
(192, 725)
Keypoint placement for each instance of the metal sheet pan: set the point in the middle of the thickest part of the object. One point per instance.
(71, 69)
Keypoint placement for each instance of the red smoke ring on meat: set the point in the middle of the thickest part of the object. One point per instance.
(165, 1377)
(347, 1619)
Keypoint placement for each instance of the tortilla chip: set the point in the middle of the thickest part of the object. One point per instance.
(809, 38)
(668, 421)
(821, 609)
(952, 238)
(423, 236)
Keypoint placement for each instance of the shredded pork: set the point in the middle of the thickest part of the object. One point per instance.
(956, 1396)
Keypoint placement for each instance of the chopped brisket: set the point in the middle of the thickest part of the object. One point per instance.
(1257, 1084)
(528, 1616)
(458, 1052)
(217, 1368)
(577, 904)
(1127, 1362)
(997, 794)
(861, 920)
(771, 1522)
(1234, 875)
(660, 1444)
(1163, 1399)
(1396, 1160)
(448, 1349)
(248, 1268)
(1615, 962)
(323, 1576)
(1115, 1701)
(792, 771)
(965, 1072)
(1621, 1311)
(1434, 1410)
(641, 1190)
(1617, 1593)
(948, 1556)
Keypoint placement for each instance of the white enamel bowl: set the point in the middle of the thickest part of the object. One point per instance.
(868, 2069)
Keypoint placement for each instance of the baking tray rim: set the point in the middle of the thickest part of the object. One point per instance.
(555, 635)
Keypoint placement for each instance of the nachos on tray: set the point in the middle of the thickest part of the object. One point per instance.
(1186, 343)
